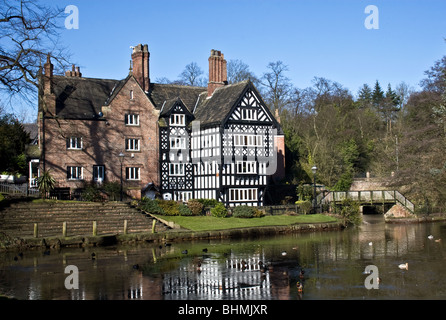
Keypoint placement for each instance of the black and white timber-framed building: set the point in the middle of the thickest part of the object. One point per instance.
(224, 144)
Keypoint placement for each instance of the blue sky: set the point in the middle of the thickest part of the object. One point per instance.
(323, 38)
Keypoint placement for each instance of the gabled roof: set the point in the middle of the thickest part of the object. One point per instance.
(81, 98)
(213, 110)
(159, 93)
(170, 104)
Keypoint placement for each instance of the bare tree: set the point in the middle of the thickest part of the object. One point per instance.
(277, 85)
(192, 75)
(239, 71)
(29, 32)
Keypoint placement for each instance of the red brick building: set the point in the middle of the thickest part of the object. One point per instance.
(90, 128)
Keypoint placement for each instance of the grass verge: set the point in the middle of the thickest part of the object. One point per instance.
(206, 223)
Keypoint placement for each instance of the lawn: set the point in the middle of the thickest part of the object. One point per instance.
(205, 223)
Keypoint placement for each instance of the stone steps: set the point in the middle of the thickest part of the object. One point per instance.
(18, 219)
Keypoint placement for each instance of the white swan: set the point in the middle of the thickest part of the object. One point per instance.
(404, 266)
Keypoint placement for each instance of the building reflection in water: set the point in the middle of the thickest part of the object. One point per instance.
(210, 279)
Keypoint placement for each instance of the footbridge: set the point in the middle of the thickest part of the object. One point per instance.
(375, 197)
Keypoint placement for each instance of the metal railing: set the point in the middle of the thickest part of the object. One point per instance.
(18, 189)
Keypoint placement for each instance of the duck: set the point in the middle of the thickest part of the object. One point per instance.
(300, 287)
(370, 243)
(283, 253)
(184, 252)
(430, 237)
(437, 240)
(136, 266)
(404, 266)
(205, 250)
(301, 274)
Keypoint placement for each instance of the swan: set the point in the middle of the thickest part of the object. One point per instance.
(404, 266)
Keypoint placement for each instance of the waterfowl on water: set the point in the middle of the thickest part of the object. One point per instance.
(370, 243)
(430, 237)
(283, 253)
(404, 266)
(437, 240)
(184, 252)
(300, 287)
(301, 274)
(205, 250)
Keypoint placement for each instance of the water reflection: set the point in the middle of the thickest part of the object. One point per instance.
(261, 269)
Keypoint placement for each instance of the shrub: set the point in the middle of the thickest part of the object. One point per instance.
(219, 210)
(91, 193)
(151, 206)
(113, 190)
(208, 202)
(243, 212)
(195, 206)
(184, 210)
(350, 211)
(304, 206)
(45, 183)
(170, 207)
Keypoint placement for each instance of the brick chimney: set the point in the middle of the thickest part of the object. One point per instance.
(140, 61)
(218, 75)
(75, 72)
(49, 98)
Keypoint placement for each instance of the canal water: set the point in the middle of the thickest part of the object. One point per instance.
(268, 268)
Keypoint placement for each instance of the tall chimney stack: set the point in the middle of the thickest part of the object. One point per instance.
(218, 75)
(140, 62)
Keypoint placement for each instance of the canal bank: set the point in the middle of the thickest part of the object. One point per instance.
(18, 243)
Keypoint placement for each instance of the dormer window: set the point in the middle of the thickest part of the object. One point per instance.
(177, 120)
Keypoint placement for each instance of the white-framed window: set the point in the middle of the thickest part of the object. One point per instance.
(185, 196)
(249, 194)
(132, 119)
(249, 167)
(74, 143)
(248, 140)
(177, 120)
(177, 143)
(75, 173)
(98, 173)
(249, 114)
(132, 144)
(176, 169)
(132, 173)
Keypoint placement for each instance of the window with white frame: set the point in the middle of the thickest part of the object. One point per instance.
(185, 196)
(248, 140)
(176, 169)
(132, 144)
(74, 143)
(132, 173)
(177, 143)
(248, 167)
(177, 120)
(132, 119)
(98, 173)
(75, 173)
(249, 194)
(249, 114)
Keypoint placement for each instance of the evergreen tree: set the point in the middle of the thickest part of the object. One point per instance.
(365, 96)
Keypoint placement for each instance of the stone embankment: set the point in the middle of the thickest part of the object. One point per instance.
(61, 224)
(68, 223)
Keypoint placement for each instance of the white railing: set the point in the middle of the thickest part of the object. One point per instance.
(10, 188)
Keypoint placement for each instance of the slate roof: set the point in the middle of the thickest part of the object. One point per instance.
(83, 98)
